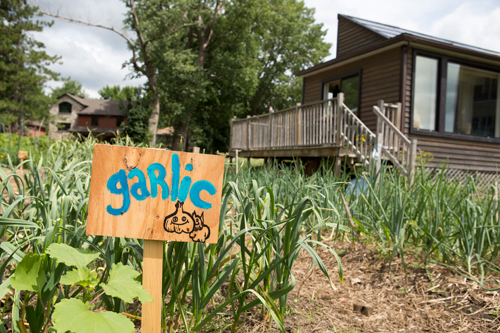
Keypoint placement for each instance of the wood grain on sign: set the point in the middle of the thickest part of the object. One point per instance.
(155, 194)
(22, 154)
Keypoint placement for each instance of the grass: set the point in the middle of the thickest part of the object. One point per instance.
(269, 214)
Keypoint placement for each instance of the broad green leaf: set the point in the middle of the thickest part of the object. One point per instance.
(81, 276)
(74, 316)
(71, 256)
(122, 284)
(28, 275)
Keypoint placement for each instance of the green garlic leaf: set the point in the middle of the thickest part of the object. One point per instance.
(71, 256)
(74, 316)
(122, 284)
(28, 275)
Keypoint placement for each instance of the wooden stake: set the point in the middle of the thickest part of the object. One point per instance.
(152, 270)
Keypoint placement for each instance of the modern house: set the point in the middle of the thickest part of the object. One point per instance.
(441, 94)
(79, 115)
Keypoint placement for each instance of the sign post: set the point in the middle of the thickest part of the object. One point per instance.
(156, 195)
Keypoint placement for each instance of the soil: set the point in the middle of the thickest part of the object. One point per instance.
(446, 303)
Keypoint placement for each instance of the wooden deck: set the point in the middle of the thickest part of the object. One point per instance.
(324, 129)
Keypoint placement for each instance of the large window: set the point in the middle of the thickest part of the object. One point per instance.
(424, 107)
(453, 98)
(349, 85)
(64, 107)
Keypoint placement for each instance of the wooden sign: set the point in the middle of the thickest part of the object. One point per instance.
(155, 194)
(22, 154)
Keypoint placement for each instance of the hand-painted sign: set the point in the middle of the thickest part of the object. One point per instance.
(22, 154)
(155, 194)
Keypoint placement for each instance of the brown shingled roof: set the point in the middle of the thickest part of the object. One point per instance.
(104, 107)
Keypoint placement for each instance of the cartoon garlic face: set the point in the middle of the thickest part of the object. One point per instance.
(179, 221)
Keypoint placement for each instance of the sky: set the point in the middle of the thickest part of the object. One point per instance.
(95, 56)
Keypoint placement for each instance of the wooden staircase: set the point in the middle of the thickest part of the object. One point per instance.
(326, 128)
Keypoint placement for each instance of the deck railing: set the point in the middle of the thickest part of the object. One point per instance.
(329, 123)
(313, 124)
(394, 145)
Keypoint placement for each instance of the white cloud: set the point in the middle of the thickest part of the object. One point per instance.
(95, 56)
(472, 24)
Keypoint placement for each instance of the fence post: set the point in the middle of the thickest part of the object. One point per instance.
(413, 156)
(248, 132)
(340, 115)
(298, 112)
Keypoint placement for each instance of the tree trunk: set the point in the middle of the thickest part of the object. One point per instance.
(155, 105)
(182, 132)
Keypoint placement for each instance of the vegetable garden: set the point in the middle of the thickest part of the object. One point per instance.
(54, 277)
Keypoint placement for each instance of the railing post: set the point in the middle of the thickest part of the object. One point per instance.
(398, 117)
(231, 134)
(298, 112)
(270, 129)
(340, 115)
(413, 157)
(248, 132)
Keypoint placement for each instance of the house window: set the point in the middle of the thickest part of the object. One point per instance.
(119, 121)
(349, 85)
(424, 109)
(95, 121)
(64, 107)
(472, 104)
(455, 99)
(63, 126)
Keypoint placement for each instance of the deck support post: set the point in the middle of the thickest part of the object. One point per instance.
(413, 158)
(338, 166)
(340, 116)
(248, 162)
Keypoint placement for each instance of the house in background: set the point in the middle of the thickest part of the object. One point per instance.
(449, 91)
(74, 114)
(439, 96)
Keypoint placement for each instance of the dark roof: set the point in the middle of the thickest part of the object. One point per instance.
(104, 107)
(394, 35)
(389, 31)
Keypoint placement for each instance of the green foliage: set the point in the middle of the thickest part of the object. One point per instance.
(35, 146)
(28, 275)
(137, 125)
(118, 93)
(23, 63)
(72, 315)
(122, 284)
(69, 86)
(71, 257)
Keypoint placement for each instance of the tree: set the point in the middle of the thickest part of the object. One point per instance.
(137, 113)
(69, 86)
(23, 63)
(248, 65)
(119, 94)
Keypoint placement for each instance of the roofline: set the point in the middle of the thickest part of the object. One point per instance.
(355, 56)
(72, 97)
(403, 39)
(348, 18)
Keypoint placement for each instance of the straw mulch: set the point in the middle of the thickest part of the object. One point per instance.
(446, 303)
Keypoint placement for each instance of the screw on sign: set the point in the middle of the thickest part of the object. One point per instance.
(156, 195)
